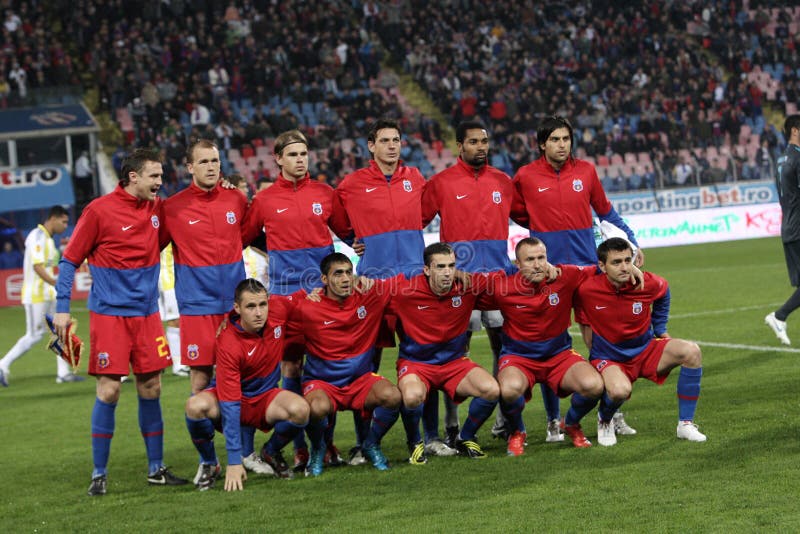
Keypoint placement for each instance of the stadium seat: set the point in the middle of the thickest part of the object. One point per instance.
(263, 151)
(247, 152)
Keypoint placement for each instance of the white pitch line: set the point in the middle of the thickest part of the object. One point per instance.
(736, 346)
(723, 312)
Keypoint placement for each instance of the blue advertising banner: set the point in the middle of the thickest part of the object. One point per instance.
(42, 119)
(695, 198)
(35, 187)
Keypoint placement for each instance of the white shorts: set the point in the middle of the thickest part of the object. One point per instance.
(489, 319)
(168, 305)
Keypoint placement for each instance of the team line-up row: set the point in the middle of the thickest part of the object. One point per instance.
(381, 210)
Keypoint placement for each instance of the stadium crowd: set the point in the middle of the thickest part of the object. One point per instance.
(241, 72)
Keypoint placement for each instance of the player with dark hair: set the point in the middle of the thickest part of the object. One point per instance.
(435, 357)
(560, 192)
(340, 333)
(474, 201)
(203, 222)
(245, 390)
(382, 204)
(630, 340)
(38, 292)
(118, 234)
(295, 213)
(536, 345)
(788, 184)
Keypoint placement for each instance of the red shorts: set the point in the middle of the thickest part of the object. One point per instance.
(550, 371)
(445, 377)
(198, 334)
(253, 411)
(352, 397)
(121, 343)
(644, 365)
(386, 332)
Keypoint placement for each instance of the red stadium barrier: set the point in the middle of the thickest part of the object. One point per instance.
(11, 286)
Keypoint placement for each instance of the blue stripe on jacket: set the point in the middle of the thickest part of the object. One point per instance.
(433, 353)
(340, 373)
(207, 290)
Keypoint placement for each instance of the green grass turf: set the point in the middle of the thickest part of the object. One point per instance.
(745, 478)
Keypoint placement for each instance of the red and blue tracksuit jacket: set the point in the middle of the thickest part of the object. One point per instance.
(296, 218)
(433, 328)
(559, 206)
(387, 216)
(248, 365)
(624, 320)
(118, 234)
(474, 207)
(340, 336)
(205, 230)
(536, 316)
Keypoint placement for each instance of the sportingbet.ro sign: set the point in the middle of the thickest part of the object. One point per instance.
(694, 198)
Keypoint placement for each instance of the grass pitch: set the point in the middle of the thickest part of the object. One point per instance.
(745, 478)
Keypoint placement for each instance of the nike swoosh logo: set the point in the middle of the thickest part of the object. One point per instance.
(459, 197)
(328, 322)
(251, 351)
(281, 211)
(371, 189)
(521, 306)
(194, 222)
(543, 189)
(422, 307)
(600, 307)
(126, 228)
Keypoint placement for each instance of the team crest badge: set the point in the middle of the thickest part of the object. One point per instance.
(278, 331)
(316, 208)
(103, 360)
(577, 185)
(407, 185)
(554, 299)
(308, 389)
(496, 198)
(230, 217)
(361, 312)
(637, 308)
(403, 370)
(192, 352)
(601, 364)
(154, 221)
(457, 301)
